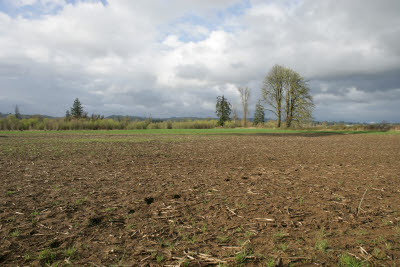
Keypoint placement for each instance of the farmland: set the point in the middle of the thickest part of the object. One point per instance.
(251, 197)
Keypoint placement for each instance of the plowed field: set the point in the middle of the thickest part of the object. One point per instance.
(196, 200)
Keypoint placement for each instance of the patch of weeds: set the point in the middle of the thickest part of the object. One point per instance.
(130, 226)
(160, 242)
(270, 263)
(242, 243)
(363, 232)
(204, 228)
(279, 235)
(374, 242)
(27, 257)
(360, 242)
(80, 201)
(10, 193)
(240, 205)
(193, 239)
(283, 246)
(379, 253)
(241, 257)
(56, 202)
(47, 256)
(169, 244)
(386, 222)
(70, 252)
(223, 239)
(397, 231)
(248, 234)
(16, 233)
(301, 200)
(321, 244)
(238, 230)
(35, 213)
(160, 258)
(109, 209)
(346, 260)
(388, 245)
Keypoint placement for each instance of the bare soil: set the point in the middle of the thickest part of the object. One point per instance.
(197, 200)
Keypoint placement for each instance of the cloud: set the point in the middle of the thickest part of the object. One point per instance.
(173, 58)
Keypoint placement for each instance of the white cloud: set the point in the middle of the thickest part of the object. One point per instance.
(127, 55)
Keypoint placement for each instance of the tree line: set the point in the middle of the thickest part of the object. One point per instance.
(285, 93)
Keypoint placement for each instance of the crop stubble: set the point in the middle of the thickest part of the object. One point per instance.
(199, 199)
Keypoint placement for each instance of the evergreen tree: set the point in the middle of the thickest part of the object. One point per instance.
(259, 114)
(223, 110)
(17, 114)
(77, 109)
(67, 116)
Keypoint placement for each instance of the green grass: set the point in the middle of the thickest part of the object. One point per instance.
(27, 257)
(70, 252)
(16, 233)
(160, 258)
(192, 132)
(279, 235)
(47, 256)
(241, 257)
(346, 260)
(321, 244)
(223, 239)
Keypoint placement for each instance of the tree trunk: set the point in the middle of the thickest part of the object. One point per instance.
(279, 115)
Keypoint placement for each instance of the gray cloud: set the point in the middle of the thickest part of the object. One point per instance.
(150, 57)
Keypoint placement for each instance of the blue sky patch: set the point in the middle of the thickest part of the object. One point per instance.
(37, 8)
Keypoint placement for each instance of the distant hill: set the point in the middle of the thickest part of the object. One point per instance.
(26, 116)
(120, 117)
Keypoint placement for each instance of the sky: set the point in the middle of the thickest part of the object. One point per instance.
(173, 58)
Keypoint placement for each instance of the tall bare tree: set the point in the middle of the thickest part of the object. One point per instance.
(244, 98)
(234, 114)
(272, 91)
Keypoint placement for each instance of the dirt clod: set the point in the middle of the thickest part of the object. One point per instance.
(148, 200)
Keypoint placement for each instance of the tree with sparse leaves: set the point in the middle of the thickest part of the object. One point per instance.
(77, 109)
(298, 100)
(259, 114)
(223, 110)
(287, 96)
(272, 91)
